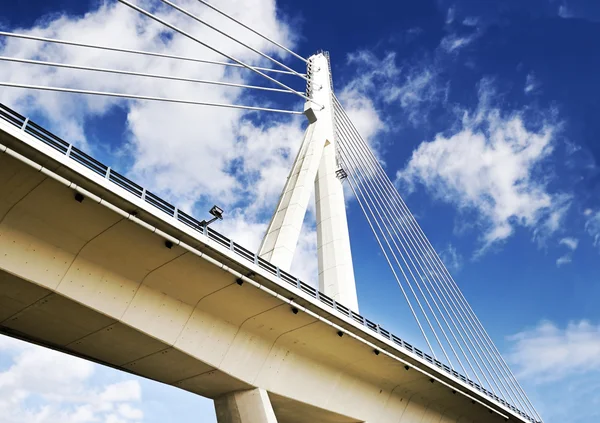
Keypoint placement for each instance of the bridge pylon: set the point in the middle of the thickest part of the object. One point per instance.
(316, 165)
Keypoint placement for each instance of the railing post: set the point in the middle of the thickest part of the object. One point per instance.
(25, 122)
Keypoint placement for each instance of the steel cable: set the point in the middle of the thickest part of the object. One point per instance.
(138, 52)
(142, 97)
(437, 262)
(254, 31)
(191, 37)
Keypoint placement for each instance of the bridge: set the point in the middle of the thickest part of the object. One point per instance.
(94, 265)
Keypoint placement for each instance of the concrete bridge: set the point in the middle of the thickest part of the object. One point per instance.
(93, 265)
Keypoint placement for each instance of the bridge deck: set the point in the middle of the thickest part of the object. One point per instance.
(120, 219)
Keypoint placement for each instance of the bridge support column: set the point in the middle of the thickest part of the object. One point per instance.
(253, 406)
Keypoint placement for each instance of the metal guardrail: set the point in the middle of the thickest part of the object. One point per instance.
(101, 169)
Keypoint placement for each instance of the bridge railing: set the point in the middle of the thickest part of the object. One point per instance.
(101, 169)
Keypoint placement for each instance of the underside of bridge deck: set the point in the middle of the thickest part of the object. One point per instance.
(79, 277)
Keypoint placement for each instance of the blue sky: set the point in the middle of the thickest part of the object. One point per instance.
(430, 83)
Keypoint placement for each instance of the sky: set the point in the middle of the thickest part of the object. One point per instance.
(484, 114)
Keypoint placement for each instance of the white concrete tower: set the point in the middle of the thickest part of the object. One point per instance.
(316, 163)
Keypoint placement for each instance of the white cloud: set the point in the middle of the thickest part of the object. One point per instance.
(361, 110)
(592, 225)
(44, 386)
(577, 9)
(570, 242)
(566, 259)
(414, 88)
(470, 21)
(451, 257)
(129, 412)
(357, 95)
(450, 15)
(564, 12)
(531, 84)
(120, 392)
(453, 42)
(549, 353)
(489, 166)
(418, 91)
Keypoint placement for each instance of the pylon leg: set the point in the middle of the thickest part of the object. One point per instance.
(336, 271)
(279, 243)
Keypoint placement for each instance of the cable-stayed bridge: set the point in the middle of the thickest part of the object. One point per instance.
(95, 265)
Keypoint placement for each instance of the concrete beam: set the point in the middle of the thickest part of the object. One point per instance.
(112, 292)
(252, 406)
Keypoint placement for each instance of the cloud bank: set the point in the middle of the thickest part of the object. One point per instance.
(41, 385)
(489, 166)
(548, 353)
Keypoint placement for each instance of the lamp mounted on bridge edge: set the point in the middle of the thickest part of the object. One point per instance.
(217, 212)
